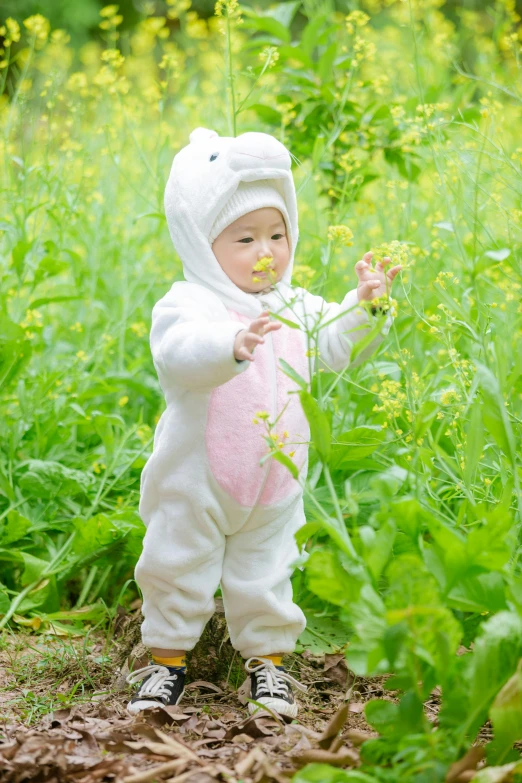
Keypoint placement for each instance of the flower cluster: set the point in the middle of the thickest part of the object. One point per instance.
(341, 234)
(270, 55)
(110, 21)
(230, 10)
(264, 265)
(39, 28)
(356, 19)
(444, 277)
(397, 251)
(274, 441)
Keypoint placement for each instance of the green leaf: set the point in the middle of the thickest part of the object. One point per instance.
(310, 34)
(306, 531)
(494, 412)
(318, 149)
(450, 545)
(285, 460)
(5, 601)
(326, 61)
(506, 716)
(325, 773)
(353, 445)
(13, 527)
(359, 346)
(291, 324)
(497, 651)
(329, 580)
(319, 427)
(47, 479)
(388, 482)
(18, 255)
(409, 516)
(413, 597)
(272, 117)
(474, 443)
(382, 715)
(425, 417)
(323, 635)
(293, 374)
(51, 299)
(49, 267)
(481, 593)
(377, 547)
(257, 21)
(491, 544)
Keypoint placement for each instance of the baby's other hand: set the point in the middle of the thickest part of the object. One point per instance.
(374, 283)
(247, 339)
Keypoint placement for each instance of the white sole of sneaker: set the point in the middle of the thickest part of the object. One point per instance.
(276, 705)
(144, 704)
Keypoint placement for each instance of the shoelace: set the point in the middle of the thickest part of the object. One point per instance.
(272, 679)
(158, 683)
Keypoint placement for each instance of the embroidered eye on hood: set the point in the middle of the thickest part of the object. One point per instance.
(204, 175)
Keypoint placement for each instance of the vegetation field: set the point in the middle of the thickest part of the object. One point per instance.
(403, 118)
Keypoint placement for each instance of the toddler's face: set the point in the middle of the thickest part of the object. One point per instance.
(260, 234)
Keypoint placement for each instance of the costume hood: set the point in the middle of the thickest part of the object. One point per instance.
(204, 175)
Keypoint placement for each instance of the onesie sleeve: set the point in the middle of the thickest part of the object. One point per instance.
(336, 338)
(190, 349)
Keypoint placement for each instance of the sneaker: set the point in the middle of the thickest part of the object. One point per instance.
(163, 685)
(271, 685)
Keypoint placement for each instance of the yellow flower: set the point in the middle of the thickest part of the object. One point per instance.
(356, 19)
(144, 433)
(264, 265)
(82, 355)
(291, 453)
(39, 27)
(177, 7)
(343, 234)
(450, 396)
(109, 10)
(113, 57)
(10, 31)
(270, 55)
(123, 401)
(139, 329)
(262, 415)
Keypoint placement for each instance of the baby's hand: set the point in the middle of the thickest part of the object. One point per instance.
(247, 339)
(372, 282)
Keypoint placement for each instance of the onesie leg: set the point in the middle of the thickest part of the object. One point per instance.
(257, 592)
(178, 573)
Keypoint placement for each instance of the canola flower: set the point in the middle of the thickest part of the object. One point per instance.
(264, 265)
(341, 234)
(397, 251)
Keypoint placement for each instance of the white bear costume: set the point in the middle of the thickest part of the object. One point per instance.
(213, 513)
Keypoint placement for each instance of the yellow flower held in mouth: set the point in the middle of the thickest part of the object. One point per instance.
(264, 265)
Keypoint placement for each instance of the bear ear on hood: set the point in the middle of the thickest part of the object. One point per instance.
(202, 134)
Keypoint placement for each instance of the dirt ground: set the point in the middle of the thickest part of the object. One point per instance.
(63, 717)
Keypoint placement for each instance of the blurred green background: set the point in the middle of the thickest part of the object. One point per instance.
(81, 17)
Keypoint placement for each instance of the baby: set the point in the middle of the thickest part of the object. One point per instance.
(218, 511)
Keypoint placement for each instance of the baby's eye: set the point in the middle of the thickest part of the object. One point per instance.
(249, 239)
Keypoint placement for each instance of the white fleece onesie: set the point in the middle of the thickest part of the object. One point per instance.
(213, 513)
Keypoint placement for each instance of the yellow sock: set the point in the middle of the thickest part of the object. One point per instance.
(179, 661)
(276, 659)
